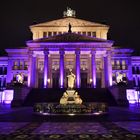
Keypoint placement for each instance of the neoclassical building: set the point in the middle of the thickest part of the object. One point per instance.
(65, 44)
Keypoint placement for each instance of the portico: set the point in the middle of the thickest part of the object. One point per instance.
(82, 57)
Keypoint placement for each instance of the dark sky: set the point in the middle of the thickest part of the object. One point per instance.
(123, 17)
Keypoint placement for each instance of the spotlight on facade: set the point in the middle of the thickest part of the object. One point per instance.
(49, 80)
(71, 114)
(90, 80)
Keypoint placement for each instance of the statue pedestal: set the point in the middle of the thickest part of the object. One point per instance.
(70, 97)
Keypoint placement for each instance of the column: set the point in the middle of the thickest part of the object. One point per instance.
(107, 69)
(46, 65)
(32, 70)
(77, 68)
(61, 67)
(93, 69)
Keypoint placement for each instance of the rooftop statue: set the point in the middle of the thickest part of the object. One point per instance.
(69, 13)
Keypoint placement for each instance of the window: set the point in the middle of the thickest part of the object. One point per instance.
(138, 81)
(137, 70)
(84, 33)
(59, 33)
(89, 33)
(0, 82)
(134, 81)
(54, 33)
(1, 71)
(14, 78)
(133, 69)
(118, 64)
(25, 78)
(25, 65)
(5, 71)
(21, 65)
(113, 77)
(113, 64)
(15, 67)
(49, 33)
(4, 82)
(94, 34)
(44, 34)
(123, 65)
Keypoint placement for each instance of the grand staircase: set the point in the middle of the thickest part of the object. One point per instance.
(53, 95)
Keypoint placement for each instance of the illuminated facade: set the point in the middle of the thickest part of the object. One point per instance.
(47, 59)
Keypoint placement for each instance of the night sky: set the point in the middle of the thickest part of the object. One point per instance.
(123, 17)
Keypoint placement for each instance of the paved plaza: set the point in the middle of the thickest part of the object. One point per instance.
(21, 124)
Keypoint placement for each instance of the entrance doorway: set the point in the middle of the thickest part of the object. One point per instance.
(98, 79)
(40, 80)
(55, 79)
(83, 79)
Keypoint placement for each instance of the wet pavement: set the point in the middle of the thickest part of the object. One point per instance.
(22, 123)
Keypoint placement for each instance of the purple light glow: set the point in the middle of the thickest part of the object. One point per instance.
(46, 69)
(132, 95)
(7, 96)
(61, 69)
(29, 80)
(93, 65)
(110, 79)
(78, 69)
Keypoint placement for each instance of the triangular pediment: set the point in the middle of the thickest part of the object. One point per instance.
(75, 22)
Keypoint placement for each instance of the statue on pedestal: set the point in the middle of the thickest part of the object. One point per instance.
(19, 78)
(70, 96)
(71, 80)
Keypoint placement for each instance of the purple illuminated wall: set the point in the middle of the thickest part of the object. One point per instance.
(78, 69)
(61, 69)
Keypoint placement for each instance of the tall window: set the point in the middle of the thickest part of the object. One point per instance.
(59, 33)
(49, 33)
(94, 34)
(21, 65)
(5, 71)
(137, 70)
(25, 65)
(1, 71)
(15, 66)
(44, 34)
(133, 69)
(84, 33)
(0, 82)
(134, 81)
(4, 82)
(54, 33)
(113, 64)
(123, 65)
(89, 33)
(118, 64)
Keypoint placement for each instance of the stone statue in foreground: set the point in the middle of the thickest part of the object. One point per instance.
(70, 96)
(71, 80)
